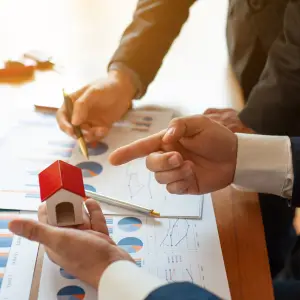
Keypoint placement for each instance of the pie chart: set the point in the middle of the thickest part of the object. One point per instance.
(131, 244)
(66, 275)
(89, 187)
(130, 224)
(71, 292)
(90, 168)
(97, 148)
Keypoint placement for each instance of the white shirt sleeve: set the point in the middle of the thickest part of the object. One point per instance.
(124, 280)
(264, 164)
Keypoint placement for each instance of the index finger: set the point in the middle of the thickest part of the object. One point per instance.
(63, 122)
(137, 149)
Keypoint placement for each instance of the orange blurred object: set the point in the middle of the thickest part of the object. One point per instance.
(17, 68)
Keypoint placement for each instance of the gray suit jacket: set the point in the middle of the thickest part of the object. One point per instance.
(264, 47)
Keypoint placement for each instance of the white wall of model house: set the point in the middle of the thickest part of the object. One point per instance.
(64, 208)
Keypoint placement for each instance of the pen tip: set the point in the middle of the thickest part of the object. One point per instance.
(154, 214)
(83, 148)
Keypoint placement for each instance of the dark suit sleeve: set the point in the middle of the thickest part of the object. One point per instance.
(274, 104)
(295, 145)
(155, 25)
(180, 291)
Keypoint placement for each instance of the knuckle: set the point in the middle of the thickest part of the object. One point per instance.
(93, 91)
(61, 126)
(175, 122)
(61, 242)
(32, 233)
(158, 177)
(188, 165)
(170, 188)
(149, 162)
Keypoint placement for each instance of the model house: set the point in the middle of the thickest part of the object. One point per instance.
(61, 186)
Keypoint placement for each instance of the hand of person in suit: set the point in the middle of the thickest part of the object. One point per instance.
(84, 253)
(296, 221)
(229, 118)
(98, 105)
(195, 155)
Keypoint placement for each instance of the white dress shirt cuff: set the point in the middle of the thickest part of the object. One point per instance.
(264, 164)
(124, 280)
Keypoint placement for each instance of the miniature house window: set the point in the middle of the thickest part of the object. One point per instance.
(65, 213)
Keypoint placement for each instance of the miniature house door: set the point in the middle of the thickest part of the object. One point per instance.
(65, 213)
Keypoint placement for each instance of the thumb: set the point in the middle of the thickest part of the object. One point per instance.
(81, 108)
(185, 127)
(34, 231)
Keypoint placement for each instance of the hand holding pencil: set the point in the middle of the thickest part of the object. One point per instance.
(69, 107)
(97, 106)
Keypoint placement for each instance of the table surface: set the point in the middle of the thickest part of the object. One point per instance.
(83, 35)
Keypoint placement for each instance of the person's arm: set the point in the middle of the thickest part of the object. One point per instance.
(295, 149)
(265, 164)
(274, 104)
(155, 25)
(135, 284)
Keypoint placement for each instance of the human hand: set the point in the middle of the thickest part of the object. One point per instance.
(194, 156)
(84, 254)
(296, 221)
(229, 118)
(97, 106)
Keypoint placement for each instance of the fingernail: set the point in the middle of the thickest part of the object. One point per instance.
(16, 228)
(170, 131)
(73, 121)
(100, 132)
(174, 161)
(188, 172)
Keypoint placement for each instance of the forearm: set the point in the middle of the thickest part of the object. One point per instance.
(148, 38)
(124, 280)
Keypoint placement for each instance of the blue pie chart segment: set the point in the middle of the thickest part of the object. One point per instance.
(90, 168)
(131, 244)
(71, 292)
(90, 188)
(66, 275)
(130, 224)
(97, 148)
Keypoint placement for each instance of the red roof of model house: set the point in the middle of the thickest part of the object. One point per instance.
(60, 175)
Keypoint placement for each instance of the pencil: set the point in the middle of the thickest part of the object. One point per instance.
(122, 204)
(69, 106)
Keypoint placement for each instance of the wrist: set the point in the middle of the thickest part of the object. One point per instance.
(124, 82)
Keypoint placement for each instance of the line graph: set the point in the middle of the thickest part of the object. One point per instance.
(177, 273)
(138, 183)
(134, 185)
(170, 239)
(180, 234)
(189, 275)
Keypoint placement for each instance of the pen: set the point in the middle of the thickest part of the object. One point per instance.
(69, 106)
(122, 204)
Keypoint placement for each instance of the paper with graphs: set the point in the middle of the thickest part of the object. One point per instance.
(36, 142)
(171, 249)
(132, 182)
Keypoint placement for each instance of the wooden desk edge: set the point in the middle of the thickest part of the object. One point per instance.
(242, 238)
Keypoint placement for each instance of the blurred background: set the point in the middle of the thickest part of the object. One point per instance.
(82, 35)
